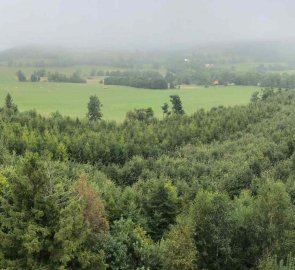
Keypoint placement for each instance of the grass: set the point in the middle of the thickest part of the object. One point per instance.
(71, 99)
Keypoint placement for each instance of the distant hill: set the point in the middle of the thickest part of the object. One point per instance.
(273, 51)
(56, 56)
(263, 51)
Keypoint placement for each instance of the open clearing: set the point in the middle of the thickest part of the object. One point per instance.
(71, 99)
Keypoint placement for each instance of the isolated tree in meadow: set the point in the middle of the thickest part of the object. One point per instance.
(21, 76)
(94, 109)
(176, 104)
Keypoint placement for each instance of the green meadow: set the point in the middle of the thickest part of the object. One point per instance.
(71, 99)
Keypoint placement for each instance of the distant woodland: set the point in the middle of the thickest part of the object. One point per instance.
(256, 64)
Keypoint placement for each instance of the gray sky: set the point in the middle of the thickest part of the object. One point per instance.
(142, 23)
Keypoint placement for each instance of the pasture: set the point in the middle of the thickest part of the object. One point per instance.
(71, 99)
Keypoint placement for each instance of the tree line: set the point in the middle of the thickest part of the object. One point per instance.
(144, 79)
(203, 76)
(51, 77)
(172, 78)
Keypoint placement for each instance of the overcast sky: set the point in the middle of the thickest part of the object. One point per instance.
(142, 23)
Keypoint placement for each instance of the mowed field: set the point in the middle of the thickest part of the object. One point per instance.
(71, 99)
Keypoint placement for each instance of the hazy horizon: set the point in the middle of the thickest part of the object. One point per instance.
(136, 24)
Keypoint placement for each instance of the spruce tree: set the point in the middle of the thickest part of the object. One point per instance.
(9, 106)
(176, 104)
(42, 223)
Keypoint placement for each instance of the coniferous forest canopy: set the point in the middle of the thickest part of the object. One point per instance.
(147, 135)
(214, 190)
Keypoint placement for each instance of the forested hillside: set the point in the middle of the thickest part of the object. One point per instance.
(214, 190)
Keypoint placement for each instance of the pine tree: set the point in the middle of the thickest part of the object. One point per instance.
(9, 106)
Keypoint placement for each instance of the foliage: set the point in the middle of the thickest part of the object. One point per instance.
(94, 109)
(94, 211)
(212, 236)
(21, 76)
(128, 247)
(150, 80)
(212, 190)
(159, 202)
(176, 104)
(179, 248)
(42, 224)
(165, 109)
(9, 106)
(270, 263)
(57, 77)
(144, 115)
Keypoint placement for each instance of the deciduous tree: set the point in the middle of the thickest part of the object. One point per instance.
(94, 109)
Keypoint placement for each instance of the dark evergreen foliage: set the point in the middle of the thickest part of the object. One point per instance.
(57, 77)
(176, 104)
(213, 190)
(150, 80)
(21, 76)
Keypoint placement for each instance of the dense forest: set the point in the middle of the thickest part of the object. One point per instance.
(214, 190)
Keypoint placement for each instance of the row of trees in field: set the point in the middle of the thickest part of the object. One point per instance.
(58, 77)
(214, 190)
(154, 80)
(202, 76)
(51, 77)
(94, 110)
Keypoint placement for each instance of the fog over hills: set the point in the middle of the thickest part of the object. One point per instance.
(264, 51)
(149, 25)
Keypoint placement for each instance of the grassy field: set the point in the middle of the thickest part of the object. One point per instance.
(71, 99)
